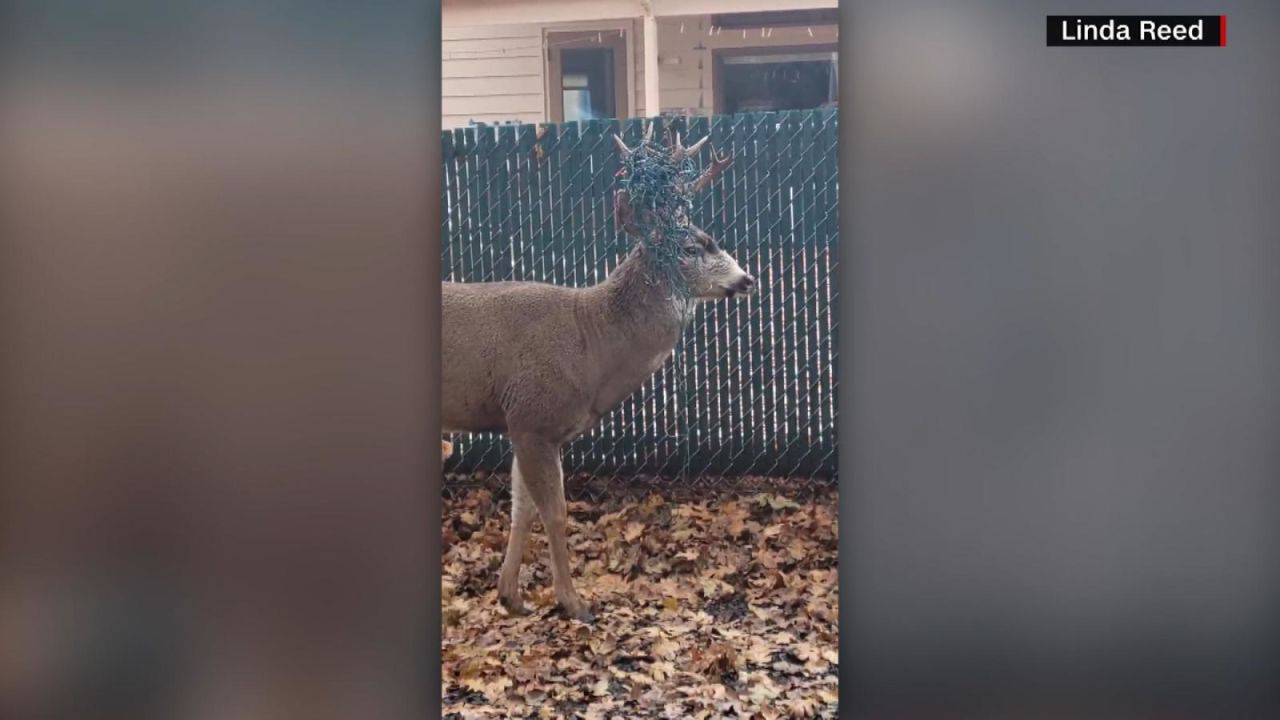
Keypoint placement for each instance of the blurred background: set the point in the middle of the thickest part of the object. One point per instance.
(1061, 337)
(215, 393)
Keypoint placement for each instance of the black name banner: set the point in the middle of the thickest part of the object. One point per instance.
(1137, 30)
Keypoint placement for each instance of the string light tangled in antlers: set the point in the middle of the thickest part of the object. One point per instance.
(654, 201)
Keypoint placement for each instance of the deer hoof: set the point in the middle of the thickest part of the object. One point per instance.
(581, 613)
(514, 605)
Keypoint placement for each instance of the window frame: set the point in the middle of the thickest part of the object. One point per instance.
(613, 37)
(718, 62)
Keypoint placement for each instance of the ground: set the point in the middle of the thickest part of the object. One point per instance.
(705, 608)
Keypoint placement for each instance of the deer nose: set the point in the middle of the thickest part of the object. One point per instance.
(746, 283)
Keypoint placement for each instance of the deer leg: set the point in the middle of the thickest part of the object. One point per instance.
(544, 479)
(522, 514)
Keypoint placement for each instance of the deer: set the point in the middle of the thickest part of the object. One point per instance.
(543, 363)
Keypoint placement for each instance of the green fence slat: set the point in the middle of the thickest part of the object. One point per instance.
(767, 377)
(828, 303)
(448, 194)
(544, 157)
(504, 200)
(522, 165)
(464, 250)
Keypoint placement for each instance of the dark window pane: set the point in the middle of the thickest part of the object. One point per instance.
(799, 80)
(586, 78)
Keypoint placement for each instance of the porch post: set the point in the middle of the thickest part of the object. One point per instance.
(652, 105)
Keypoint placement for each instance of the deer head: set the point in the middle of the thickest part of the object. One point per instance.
(653, 207)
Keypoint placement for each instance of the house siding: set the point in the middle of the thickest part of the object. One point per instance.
(497, 73)
(491, 73)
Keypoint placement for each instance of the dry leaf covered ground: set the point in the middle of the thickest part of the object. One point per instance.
(710, 608)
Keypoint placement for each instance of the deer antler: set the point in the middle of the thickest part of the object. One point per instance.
(627, 151)
(717, 167)
(680, 152)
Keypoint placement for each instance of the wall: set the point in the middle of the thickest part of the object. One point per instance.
(491, 73)
(498, 72)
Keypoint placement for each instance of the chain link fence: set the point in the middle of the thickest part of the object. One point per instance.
(749, 395)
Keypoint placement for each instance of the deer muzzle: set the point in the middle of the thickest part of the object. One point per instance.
(744, 286)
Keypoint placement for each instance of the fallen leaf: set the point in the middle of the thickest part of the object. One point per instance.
(661, 670)
(707, 608)
(665, 648)
(601, 687)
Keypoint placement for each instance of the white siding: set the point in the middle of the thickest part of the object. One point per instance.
(491, 74)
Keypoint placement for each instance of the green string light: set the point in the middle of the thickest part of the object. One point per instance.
(658, 190)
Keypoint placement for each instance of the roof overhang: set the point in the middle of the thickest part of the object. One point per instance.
(464, 13)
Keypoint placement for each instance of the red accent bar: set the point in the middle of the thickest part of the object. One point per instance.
(1222, 31)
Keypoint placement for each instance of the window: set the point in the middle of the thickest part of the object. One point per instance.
(760, 80)
(586, 75)
(587, 85)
